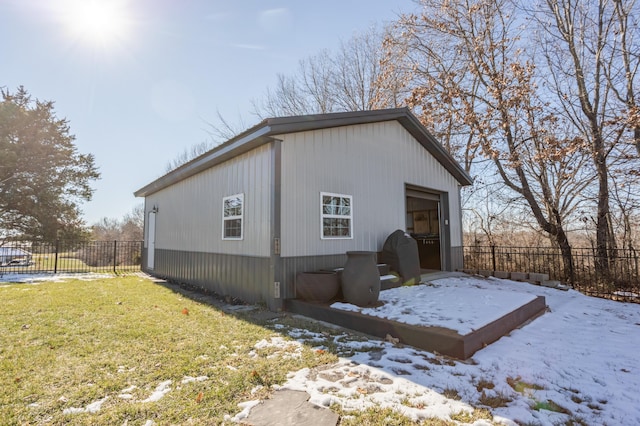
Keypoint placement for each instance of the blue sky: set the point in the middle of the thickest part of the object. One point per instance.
(139, 81)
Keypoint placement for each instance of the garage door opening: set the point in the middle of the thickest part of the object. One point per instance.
(423, 224)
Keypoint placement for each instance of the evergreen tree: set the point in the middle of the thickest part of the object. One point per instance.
(43, 178)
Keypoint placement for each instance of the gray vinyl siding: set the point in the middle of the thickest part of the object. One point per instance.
(243, 277)
(457, 258)
(372, 163)
(281, 167)
(189, 214)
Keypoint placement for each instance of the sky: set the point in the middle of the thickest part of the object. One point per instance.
(581, 354)
(139, 80)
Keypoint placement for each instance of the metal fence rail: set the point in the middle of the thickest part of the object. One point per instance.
(623, 282)
(24, 257)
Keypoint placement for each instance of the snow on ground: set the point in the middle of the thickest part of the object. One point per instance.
(94, 407)
(444, 306)
(161, 390)
(40, 278)
(582, 356)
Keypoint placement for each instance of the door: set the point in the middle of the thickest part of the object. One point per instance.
(151, 240)
(423, 224)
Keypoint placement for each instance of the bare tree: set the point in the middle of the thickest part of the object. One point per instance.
(128, 228)
(626, 211)
(622, 62)
(347, 80)
(219, 133)
(222, 130)
(592, 62)
(322, 83)
(414, 68)
(469, 68)
(287, 98)
(356, 71)
(487, 213)
(133, 224)
(188, 154)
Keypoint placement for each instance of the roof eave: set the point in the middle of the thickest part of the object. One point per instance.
(403, 115)
(230, 149)
(263, 132)
(435, 148)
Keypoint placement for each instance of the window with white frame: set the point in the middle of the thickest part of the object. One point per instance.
(337, 215)
(232, 217)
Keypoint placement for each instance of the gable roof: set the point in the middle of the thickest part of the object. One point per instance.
(265, 131)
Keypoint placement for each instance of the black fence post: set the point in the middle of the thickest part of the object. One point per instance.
(115, 254)
(493, 257)
(55, 261)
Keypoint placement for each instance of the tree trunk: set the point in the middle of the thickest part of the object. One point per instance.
(603, 234)
(567, 255)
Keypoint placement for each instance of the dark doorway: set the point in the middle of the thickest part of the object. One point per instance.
(423, 224)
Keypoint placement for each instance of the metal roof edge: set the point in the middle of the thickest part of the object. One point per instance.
(282, 125)
(435, 148)
(231, 148)
(403, 115)
(262, 132)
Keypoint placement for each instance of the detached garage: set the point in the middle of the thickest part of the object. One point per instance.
(294, 194)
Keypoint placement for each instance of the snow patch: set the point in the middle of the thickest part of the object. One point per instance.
(94, 407)
(189, 379)
(161, 390)
(287, 348)
(246, 409)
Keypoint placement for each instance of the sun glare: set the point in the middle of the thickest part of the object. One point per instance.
(102, 22)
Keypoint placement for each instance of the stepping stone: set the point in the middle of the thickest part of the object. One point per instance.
(288, 407)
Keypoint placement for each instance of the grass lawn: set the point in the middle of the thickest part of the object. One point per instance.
(65, 262)
(136, 350)
(128, 351)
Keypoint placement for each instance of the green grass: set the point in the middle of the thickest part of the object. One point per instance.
(471, 417)
(550, 406)
(523, 387)
(383, 416)
(67, 345)
(66, 261)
